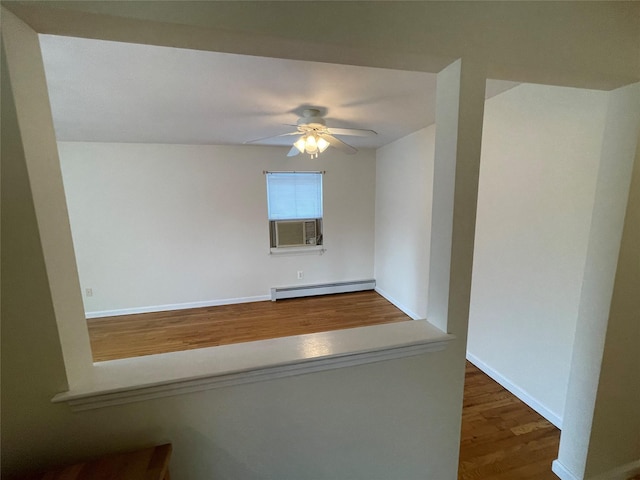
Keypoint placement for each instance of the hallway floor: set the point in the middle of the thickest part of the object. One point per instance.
(502, 438)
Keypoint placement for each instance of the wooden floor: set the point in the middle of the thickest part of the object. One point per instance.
(502, 438)
(161, 332)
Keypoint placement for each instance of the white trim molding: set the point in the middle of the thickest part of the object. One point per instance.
(130, 380)
(523, 395)
(176, 306)
(562, 472)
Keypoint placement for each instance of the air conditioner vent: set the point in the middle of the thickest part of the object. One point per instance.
(295, 233)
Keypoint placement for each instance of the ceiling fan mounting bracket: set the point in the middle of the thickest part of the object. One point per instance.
(311, 117)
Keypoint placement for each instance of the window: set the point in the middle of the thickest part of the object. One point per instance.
(294, 201)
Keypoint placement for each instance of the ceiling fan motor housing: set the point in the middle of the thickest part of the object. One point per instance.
(311, 118)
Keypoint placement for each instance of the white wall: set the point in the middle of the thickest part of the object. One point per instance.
(402, 414)
(615, 416)
(404, 180)
(157, 225)
(618, 395)
(601, 427)
(377, 421)
(540, 156)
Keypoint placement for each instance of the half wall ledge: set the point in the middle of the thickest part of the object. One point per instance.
(128, 380)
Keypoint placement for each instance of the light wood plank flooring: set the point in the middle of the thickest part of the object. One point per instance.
(502, 438)
(161, 332)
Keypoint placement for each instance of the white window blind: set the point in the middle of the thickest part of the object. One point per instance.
(294, 195)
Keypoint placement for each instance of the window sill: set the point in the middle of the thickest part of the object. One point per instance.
(310, 250)
(136, 379)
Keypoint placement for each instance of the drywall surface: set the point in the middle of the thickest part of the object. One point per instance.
(35, 129)
(157, 225)
(379, 421)
(404, 181)
(615, 434)
(617, 415)
(35, 432)
(584, 44)
(602, 396)
(392, 419)
(540, 156)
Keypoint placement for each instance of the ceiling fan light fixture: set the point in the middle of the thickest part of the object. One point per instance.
(300, 144)
(314, 137)
(311, 145)
(322, 144)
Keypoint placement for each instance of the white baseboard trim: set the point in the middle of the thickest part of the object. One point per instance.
(561, 471)
(523, 395)
(402, 307)
(176, 306)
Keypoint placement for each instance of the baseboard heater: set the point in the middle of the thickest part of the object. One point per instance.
(278, 293)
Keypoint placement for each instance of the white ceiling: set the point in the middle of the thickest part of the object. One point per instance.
(102, 91)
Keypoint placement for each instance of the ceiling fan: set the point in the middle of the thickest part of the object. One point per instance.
(315, 137)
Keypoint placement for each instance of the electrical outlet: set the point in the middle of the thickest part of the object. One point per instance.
(300, 274)
(88, 292)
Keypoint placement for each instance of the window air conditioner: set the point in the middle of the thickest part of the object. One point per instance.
(295, 233)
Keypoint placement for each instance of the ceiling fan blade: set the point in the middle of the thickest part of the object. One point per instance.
(339, 144)
(293, 152)
(272, 136)
(354, 132)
